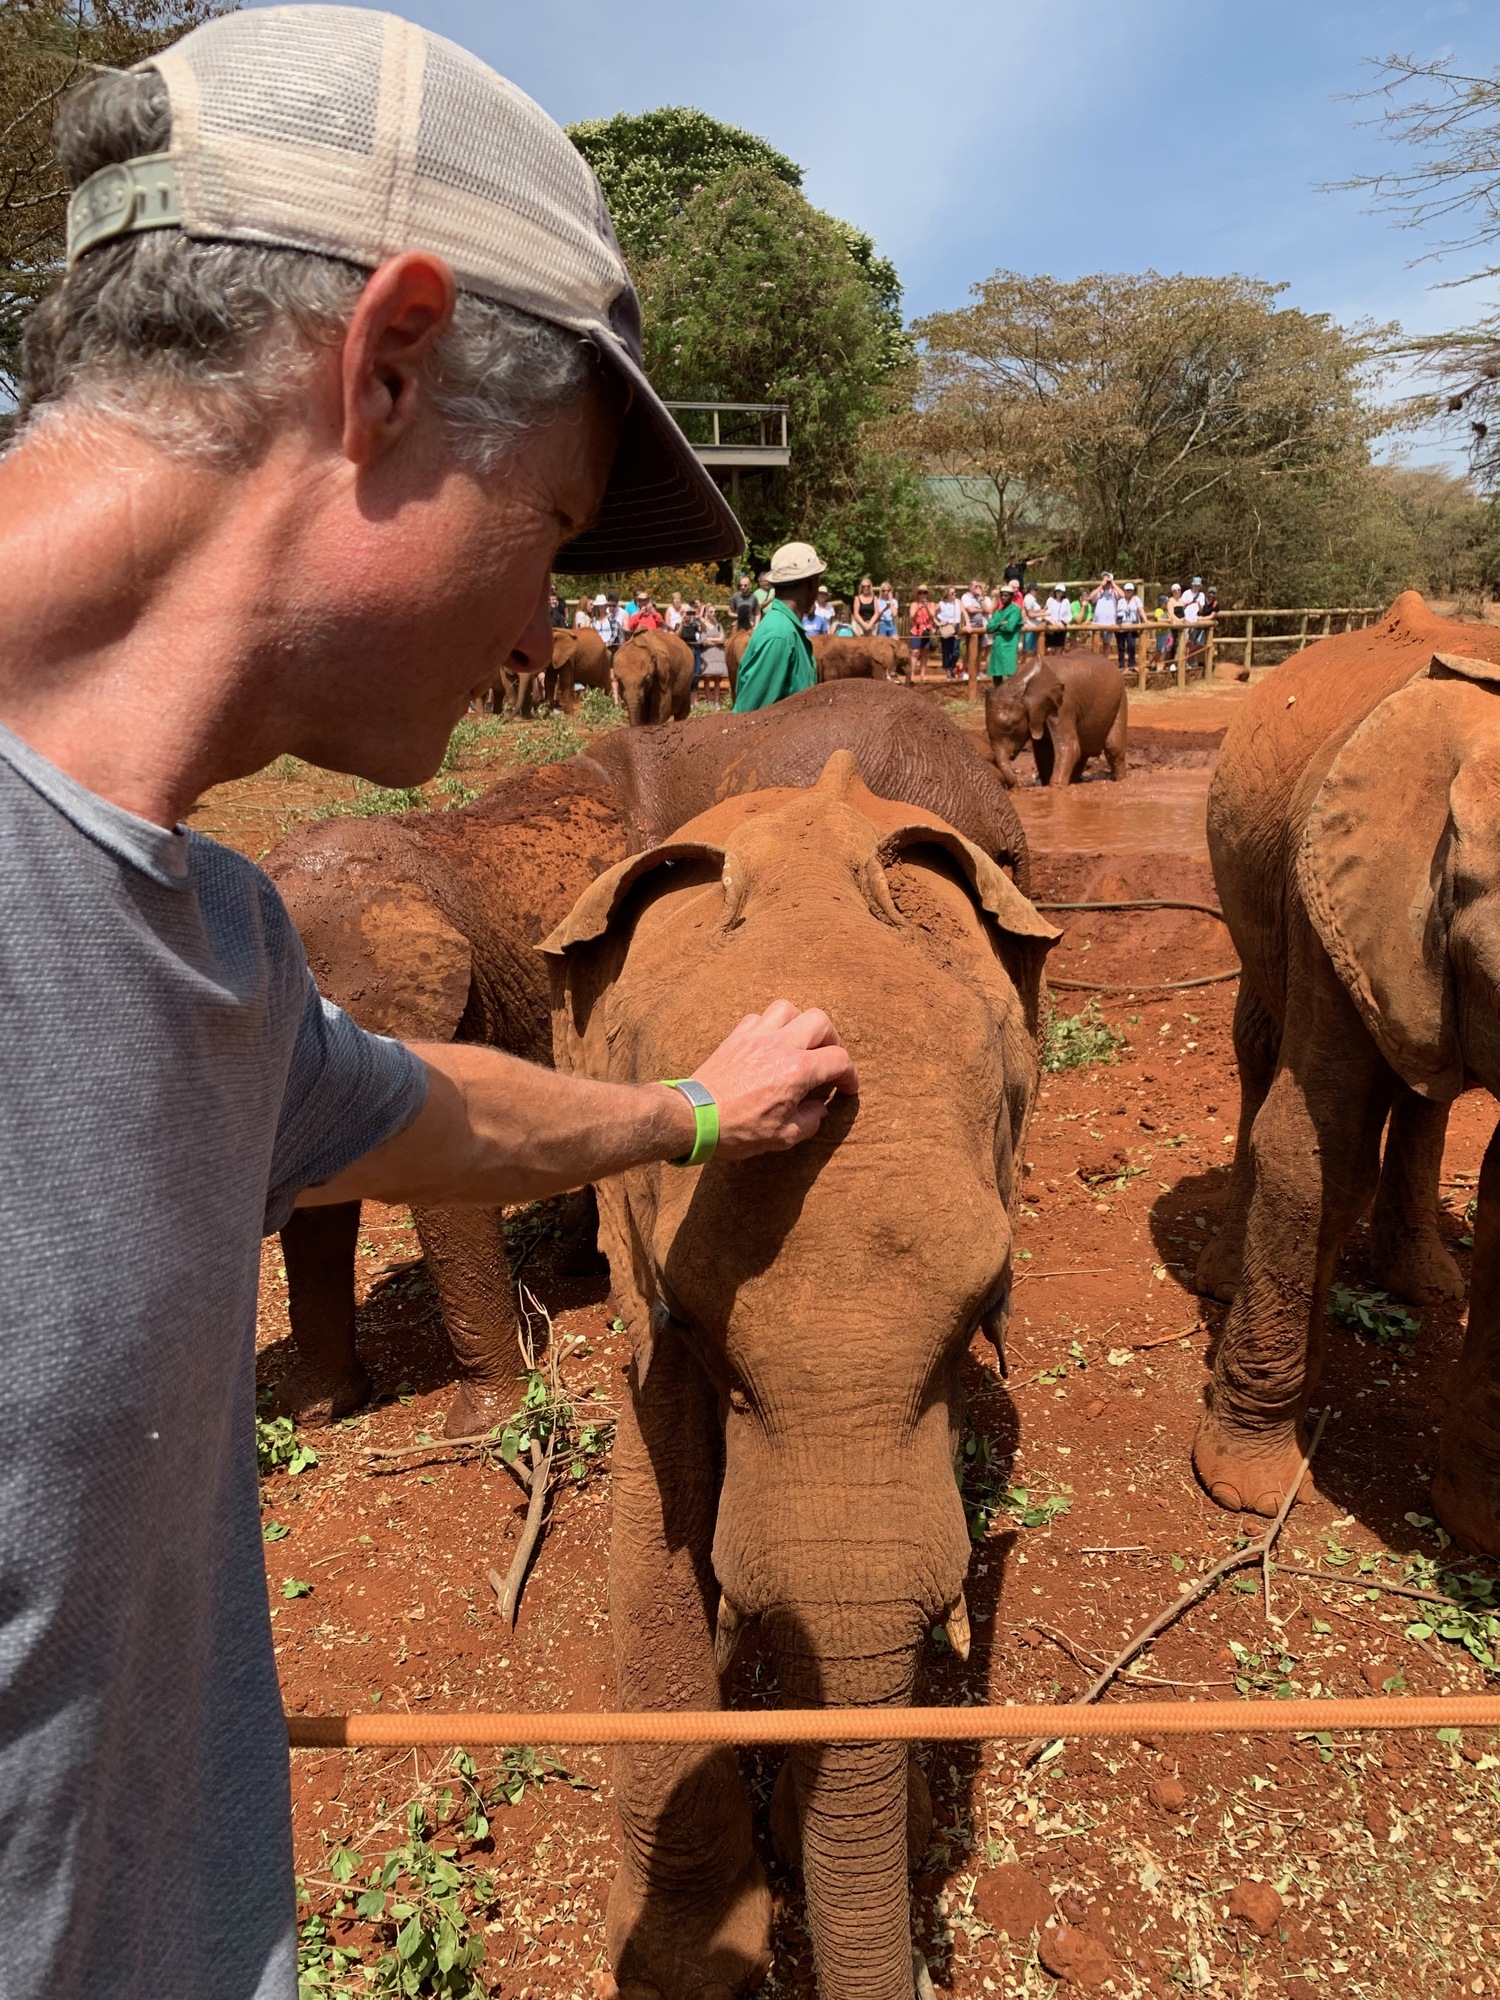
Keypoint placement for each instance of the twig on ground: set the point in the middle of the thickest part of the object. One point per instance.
(508, 1587)
(1269, 1539)
(1372, 1583)
(1090, 1662)
(1166, 1339)
(1128, 1549)
(1081, 1271)
(469, 1439)
(1192, 1593)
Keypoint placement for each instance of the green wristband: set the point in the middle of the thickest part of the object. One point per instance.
(706, 1116)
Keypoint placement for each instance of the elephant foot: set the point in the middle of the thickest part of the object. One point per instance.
(1415, 1266)
(477, 1407)
(693, 1947)
(316, 1394)
(1218, 1272)
(1248, 1472)
(1466, 1492)
(786, 1820)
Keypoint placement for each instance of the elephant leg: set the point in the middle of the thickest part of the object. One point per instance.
(689, 1912)
(1315, 1162)
(465, 1253)
(1256, 1042)
(329, 1380)
(1407, 1255)
(578, 1252)
(1044, 756)
(1068, 759)
(1115, 742)
(1466, 1488)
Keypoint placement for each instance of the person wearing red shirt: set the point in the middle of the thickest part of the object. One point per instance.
(646, 619)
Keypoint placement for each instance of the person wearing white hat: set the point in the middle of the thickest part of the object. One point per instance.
(779, 658)
(344, 362)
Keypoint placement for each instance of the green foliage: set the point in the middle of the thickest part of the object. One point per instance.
(277, 1447)
(1377, 1314)
(524, 1769)
(546, 740)
(599, 709)
(373, 802)
(1474, 1619)
(985, 1494)
(1073, 1041)
(1262, 1673)
(650, 166)
(46, 46)
(293, 1587)
(544, 1416)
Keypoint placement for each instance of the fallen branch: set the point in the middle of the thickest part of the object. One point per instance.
(469, 1438)
(1090, 1662)
(1166, 1339)
(1079, 1271)
(508, 1587)
(1372, 1583)
(1149, 903)
(1192, 1594)
(1144, 985)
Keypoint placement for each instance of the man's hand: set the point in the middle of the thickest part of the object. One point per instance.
(772, 1079)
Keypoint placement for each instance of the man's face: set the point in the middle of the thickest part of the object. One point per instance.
(423, 578)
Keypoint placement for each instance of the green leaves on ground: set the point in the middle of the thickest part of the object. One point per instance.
(1377, 1314)
(277, 1447)
(1073, 1041)
(547, 739)
(985, 1495)
(544, 1417)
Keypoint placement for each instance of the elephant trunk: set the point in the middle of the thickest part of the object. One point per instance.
(851, 1799)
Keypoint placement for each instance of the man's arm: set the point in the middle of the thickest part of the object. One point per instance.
(496, 1130)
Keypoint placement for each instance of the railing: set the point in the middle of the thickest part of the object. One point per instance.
(767, 447)
(1341, 618)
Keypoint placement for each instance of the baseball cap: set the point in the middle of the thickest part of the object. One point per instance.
(359, 135)
(795, 560)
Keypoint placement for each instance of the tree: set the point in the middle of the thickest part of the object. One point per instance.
(46, 46)
(1164, 423)
(650, 165)
(755, 296)
(1452, 124)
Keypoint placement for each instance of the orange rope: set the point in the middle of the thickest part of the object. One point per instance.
(897, 1725)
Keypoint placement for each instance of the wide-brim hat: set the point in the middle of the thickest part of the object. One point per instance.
(357, 135)
(794, 562)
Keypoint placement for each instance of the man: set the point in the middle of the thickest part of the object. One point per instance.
(744, 607)
(557, 611)
(763, 591)
(288, 480)
(1015, 571)
(645, 617)
(779, 658)
(1004, 626)
(1105, 605)
(1130, 616)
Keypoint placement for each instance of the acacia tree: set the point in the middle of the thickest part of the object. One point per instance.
(46, 46)
(1450, 120)
(1158, 410)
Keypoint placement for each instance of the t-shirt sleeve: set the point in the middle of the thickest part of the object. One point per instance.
(346, 1092)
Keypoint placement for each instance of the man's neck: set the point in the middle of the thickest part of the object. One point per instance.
(129, 633)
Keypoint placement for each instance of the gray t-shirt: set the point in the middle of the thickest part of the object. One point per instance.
(169, 1081)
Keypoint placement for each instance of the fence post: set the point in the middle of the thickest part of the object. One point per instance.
(1327, 623)
(1143, 655)
(1182, 647)
(1249, 640)
(1210, 650)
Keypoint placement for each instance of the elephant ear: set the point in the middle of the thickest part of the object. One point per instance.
(1374, 855)
(405, 969)
(1022, 934)
(591, 916)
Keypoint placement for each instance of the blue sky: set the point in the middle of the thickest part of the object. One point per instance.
(1055, 135)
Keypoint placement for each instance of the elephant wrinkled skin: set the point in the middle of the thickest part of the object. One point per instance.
(655, 672)
(424, 926)
(1354, 827)
(786, 1449)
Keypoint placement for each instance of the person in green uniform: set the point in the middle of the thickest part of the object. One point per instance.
(779, 658)
(1004, 627)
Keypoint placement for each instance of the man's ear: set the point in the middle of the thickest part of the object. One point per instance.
(403, 311)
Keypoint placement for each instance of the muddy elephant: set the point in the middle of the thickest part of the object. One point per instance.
(579, 659)
(785, 1449)
(856, 659)
(655, 673)
(1069, 708)
(1353, 830)
(423, 926)
(906, 749)
(734, 652)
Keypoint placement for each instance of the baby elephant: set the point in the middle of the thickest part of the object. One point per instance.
(655, 672)
(1069, 710)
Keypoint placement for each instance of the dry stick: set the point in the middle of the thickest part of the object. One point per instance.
(1165, 1340)
(508, 1587)
(1192, 1594)
(513, 1467)
(1372, 1583)
(1090, 1662)
(1081, 1271)
(1151, 903)
(1144, 985)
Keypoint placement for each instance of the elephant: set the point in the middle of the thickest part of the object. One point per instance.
(1352, 829)
(655, 673)
(785, 1449)
(850, 659)
(906, 749)
(423, 926)
(1069, 708)
(580, 658)
(734, 652)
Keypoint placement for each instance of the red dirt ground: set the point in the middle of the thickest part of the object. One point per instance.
(1255, 1866)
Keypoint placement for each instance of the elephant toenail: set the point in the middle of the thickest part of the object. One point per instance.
(1226, 1496)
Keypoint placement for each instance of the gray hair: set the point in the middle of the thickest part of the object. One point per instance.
(200, 345)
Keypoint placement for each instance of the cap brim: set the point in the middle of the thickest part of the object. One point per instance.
(661, 504)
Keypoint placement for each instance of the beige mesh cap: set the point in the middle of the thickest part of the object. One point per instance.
(360, 135)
